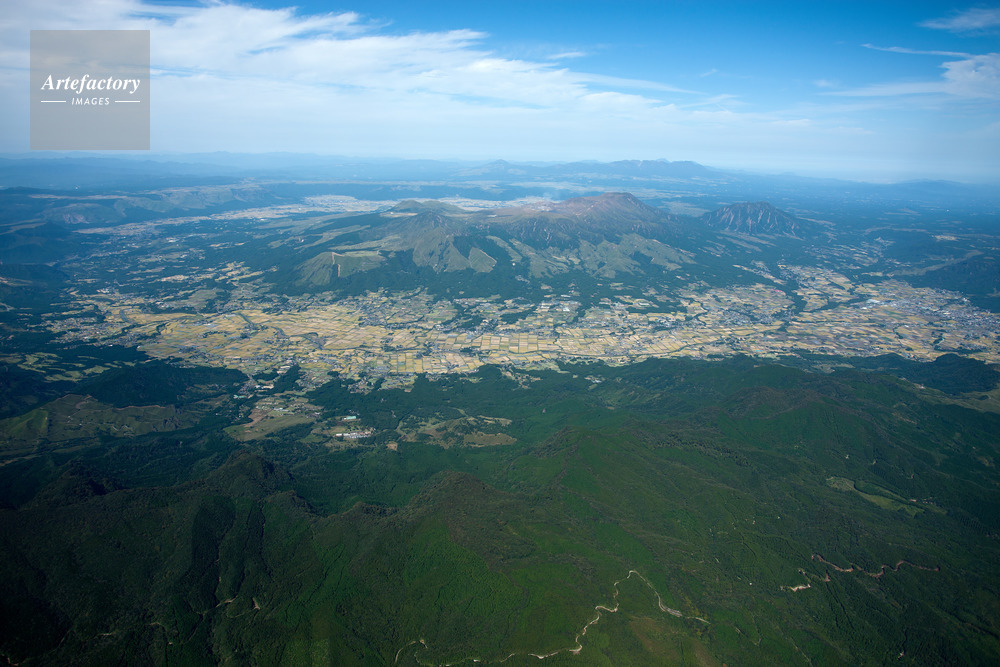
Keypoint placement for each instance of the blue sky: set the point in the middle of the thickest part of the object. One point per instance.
(864, 90)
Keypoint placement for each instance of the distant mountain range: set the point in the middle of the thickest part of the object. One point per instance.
(577, 240)
(626, 168)
(656, 179)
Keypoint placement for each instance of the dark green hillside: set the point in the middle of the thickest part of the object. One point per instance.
(36, 243)
(949, 373)
(156, 382)
(27, 286)
(771, 515)
(977, 276)
(20, 390)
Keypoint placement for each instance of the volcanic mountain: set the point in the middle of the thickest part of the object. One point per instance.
(594, 219)
(755, 218)
(600, 236)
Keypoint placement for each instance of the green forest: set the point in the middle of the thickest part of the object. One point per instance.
(729, 511)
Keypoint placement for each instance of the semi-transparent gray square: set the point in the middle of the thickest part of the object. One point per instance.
(90, 90)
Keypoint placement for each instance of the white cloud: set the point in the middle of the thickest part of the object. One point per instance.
(242, 78)
(970, 20)
(970, 77)
(975, 77)
(234, 74)
(339, 51)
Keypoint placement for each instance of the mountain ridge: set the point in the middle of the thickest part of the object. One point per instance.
(755, 218)
(599, 235)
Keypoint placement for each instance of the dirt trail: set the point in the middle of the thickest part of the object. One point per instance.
(575, 650)
(882, 570)
(853, 568)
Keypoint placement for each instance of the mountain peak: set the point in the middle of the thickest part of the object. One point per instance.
(621, 205)
(612, 213)
(754, 218)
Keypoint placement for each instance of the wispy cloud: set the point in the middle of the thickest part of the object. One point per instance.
(895, 89)
(231, 76)
(970, 77)
(975, 77)
(976, 19)
(340, 51)
(723, 102)
(917, 52)
(637, 84)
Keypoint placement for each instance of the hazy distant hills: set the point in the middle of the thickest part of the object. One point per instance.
(620, 168)
(499, 179)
